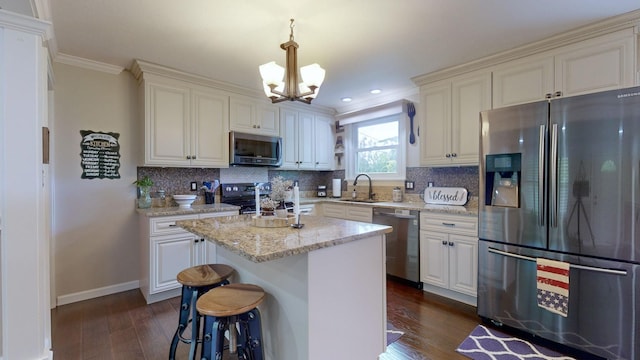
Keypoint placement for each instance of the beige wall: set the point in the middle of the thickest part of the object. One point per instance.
(94, 221)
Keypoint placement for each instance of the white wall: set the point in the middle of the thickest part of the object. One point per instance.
(95, 224)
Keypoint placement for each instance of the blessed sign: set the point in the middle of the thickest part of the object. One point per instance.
(446, 195)
(100, 155)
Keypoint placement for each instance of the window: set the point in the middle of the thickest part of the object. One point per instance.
(377, 148)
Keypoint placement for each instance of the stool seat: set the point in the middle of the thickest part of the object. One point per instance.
(204, 275)
(230, 300)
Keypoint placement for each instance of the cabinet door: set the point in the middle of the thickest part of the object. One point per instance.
(604, 63)
(435, 124)
(242, 115)
(268, 119)
(171, 254)
(306, 141)
(324, 143)
(520, 82)
(167, 124)
(463, 264)
(209, 130)
(434, 258)
(470, 95)
(289, 134)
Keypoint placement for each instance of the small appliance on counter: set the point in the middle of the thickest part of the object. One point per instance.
(322, 190)
(337, 188)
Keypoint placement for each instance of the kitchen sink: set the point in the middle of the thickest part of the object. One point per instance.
(361, 200)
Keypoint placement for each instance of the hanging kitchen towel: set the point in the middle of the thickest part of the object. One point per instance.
(553, 285)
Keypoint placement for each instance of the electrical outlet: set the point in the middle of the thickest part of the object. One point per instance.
(194, 186)
(409, 185)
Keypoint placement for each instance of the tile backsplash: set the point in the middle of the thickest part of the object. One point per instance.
(178, 180)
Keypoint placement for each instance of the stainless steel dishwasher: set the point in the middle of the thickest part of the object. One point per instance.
(403, 243)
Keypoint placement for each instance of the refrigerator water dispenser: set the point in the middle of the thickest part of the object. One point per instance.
(503, 180)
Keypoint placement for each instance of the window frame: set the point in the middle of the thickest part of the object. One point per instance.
(400, 148)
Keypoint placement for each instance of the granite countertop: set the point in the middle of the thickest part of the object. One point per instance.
(194, 209)
(470, 208)
(237, 234)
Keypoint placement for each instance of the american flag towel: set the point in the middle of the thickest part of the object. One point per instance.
(553, 285)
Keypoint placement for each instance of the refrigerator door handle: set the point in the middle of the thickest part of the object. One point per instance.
(541, 162)
(574, 266)
(553, 175)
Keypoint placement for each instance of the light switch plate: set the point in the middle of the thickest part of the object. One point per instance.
(194, 186)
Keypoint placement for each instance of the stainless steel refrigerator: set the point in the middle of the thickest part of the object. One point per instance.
(560, 180)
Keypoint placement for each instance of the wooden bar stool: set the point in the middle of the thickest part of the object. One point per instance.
(234, 308)
(196, 281)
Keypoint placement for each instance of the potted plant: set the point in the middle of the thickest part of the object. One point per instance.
(144, 192)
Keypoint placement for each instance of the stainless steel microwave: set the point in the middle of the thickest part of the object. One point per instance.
(254, 150)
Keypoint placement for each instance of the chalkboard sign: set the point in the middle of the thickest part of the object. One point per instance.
(100, 154)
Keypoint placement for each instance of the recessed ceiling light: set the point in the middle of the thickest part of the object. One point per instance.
(346, 99)
(375, 91)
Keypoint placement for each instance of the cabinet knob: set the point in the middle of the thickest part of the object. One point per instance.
(450, 243)
(548, 96)
(452, 155)
(317, 162)
(196, 241)
(193, 157)
(444, 242)
(558, 93)
(448, 155)
(254, 126)
(258, 126)
(188, 157)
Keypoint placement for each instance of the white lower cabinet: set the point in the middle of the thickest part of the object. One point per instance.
(449, 255)
(166, 250)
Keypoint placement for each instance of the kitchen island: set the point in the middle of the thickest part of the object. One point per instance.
(325, 283)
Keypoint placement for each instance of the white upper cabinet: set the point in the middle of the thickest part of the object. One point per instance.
(307, 140)
(254, 116)
(603, 63)
(186, 125)
(450, 122)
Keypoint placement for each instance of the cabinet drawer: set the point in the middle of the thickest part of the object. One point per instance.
(167, 224)
(334, 210)
(466, 225)
(359, 213)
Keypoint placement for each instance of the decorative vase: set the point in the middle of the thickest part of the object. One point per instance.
(144, 197)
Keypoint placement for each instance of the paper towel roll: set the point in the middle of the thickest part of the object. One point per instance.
(337, 188)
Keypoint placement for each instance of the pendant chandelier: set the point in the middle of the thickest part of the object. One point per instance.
(290, 89)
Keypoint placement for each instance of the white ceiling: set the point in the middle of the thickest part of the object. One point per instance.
(362, 44)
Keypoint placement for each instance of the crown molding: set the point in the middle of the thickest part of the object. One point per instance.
(411, 94)
(140, 67)
(629, 20)
(87, 64)
(26, 24)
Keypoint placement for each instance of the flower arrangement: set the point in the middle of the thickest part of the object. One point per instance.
(280, 188)
(268, 204)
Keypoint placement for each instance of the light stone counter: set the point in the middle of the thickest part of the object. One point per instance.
(258, 244)
(469, 209)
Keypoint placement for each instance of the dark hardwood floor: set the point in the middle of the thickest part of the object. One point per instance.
(122, 326)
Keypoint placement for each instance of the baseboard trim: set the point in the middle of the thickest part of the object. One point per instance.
(94, 293)
(454, 295)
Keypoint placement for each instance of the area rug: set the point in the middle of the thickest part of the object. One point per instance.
(393, 334)
(489, 344)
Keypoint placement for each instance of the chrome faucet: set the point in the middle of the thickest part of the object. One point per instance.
(355, 182)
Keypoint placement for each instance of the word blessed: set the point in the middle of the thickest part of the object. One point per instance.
(446, 196)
